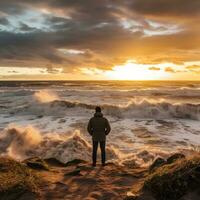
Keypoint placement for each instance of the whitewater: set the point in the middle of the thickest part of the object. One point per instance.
(148, 119)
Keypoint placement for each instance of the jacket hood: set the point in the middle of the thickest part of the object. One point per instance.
(98, 114)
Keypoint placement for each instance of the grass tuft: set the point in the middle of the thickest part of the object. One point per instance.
(172, 181)
(16, 179)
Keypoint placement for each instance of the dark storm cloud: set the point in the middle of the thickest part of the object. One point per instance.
(166, 7)
(25, 28)
(29, 47)
(4, 21)
(82, 31)
(44, 45)
(12, 7)
(93, 26)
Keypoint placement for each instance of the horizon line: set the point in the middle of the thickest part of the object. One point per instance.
(1, 80)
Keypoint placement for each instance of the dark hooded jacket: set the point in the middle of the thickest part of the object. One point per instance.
(98, 127)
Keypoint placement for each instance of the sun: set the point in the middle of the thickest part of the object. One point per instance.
(135, 71)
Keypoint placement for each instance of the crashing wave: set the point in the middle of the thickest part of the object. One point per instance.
(47, 103)
(144, 109)
(24, 142)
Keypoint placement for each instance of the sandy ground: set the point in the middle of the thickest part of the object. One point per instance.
(83, 182)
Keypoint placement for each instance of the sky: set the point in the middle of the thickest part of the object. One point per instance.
(99, 39)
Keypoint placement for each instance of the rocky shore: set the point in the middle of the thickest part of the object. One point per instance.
(177, 177)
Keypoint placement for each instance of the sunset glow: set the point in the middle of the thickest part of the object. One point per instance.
(133, 71)
(131, 40)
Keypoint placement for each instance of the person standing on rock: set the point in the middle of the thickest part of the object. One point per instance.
(98, 127)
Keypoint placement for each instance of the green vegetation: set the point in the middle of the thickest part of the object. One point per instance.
(172, 181)
(16, 179)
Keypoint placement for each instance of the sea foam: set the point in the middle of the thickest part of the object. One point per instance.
(24, 142)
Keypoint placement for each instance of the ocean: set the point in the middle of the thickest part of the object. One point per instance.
(148, 119)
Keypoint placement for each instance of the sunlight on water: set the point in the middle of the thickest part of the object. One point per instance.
(148, 118)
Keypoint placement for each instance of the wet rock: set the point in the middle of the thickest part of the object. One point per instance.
(131, 196)
(62, 121)
(175, 157)
(54, 162)
(157, 163)
(36, 163)
(75, 162)
(40, 116)
(165, 123)
(130, 163)
(76, 172)
(84, 167)
(145, 156)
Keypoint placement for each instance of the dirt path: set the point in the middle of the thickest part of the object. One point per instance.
(83, 182)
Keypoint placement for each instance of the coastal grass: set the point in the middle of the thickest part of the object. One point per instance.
(16, 179)
(172, 181)
(36, 163)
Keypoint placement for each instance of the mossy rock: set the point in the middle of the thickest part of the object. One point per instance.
(54, 162)
(36, 163)
(75, 172)
(16, 180)
(175, 157)
(157, 163)
(172, 181)
(84, 167)
(75, 162)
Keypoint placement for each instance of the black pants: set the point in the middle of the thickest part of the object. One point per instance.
(103, 151)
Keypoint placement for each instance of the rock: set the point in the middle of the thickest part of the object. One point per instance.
(75, 172)
(171, 182)
(131, 196)
(130, 163)
(160, 161)
(3, 168)
(145, 156)
(157, 163)
(75, 162)
(175, 157)
(40, 116)
(36, 163)
(84, 167)
(62, 121)
(54, 162)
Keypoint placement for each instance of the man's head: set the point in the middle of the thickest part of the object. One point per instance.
(98, 109)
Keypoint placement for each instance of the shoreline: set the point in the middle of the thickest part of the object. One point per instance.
(77, 179)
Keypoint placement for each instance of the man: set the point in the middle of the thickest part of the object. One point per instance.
(98, 128)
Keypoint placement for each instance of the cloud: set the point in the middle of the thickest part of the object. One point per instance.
(169, 69)
(11, 7)
(25, 28)
(4, 21)
(50, 69)
(166, 7)
(40, 33)
(154, 68)
(194, 68)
